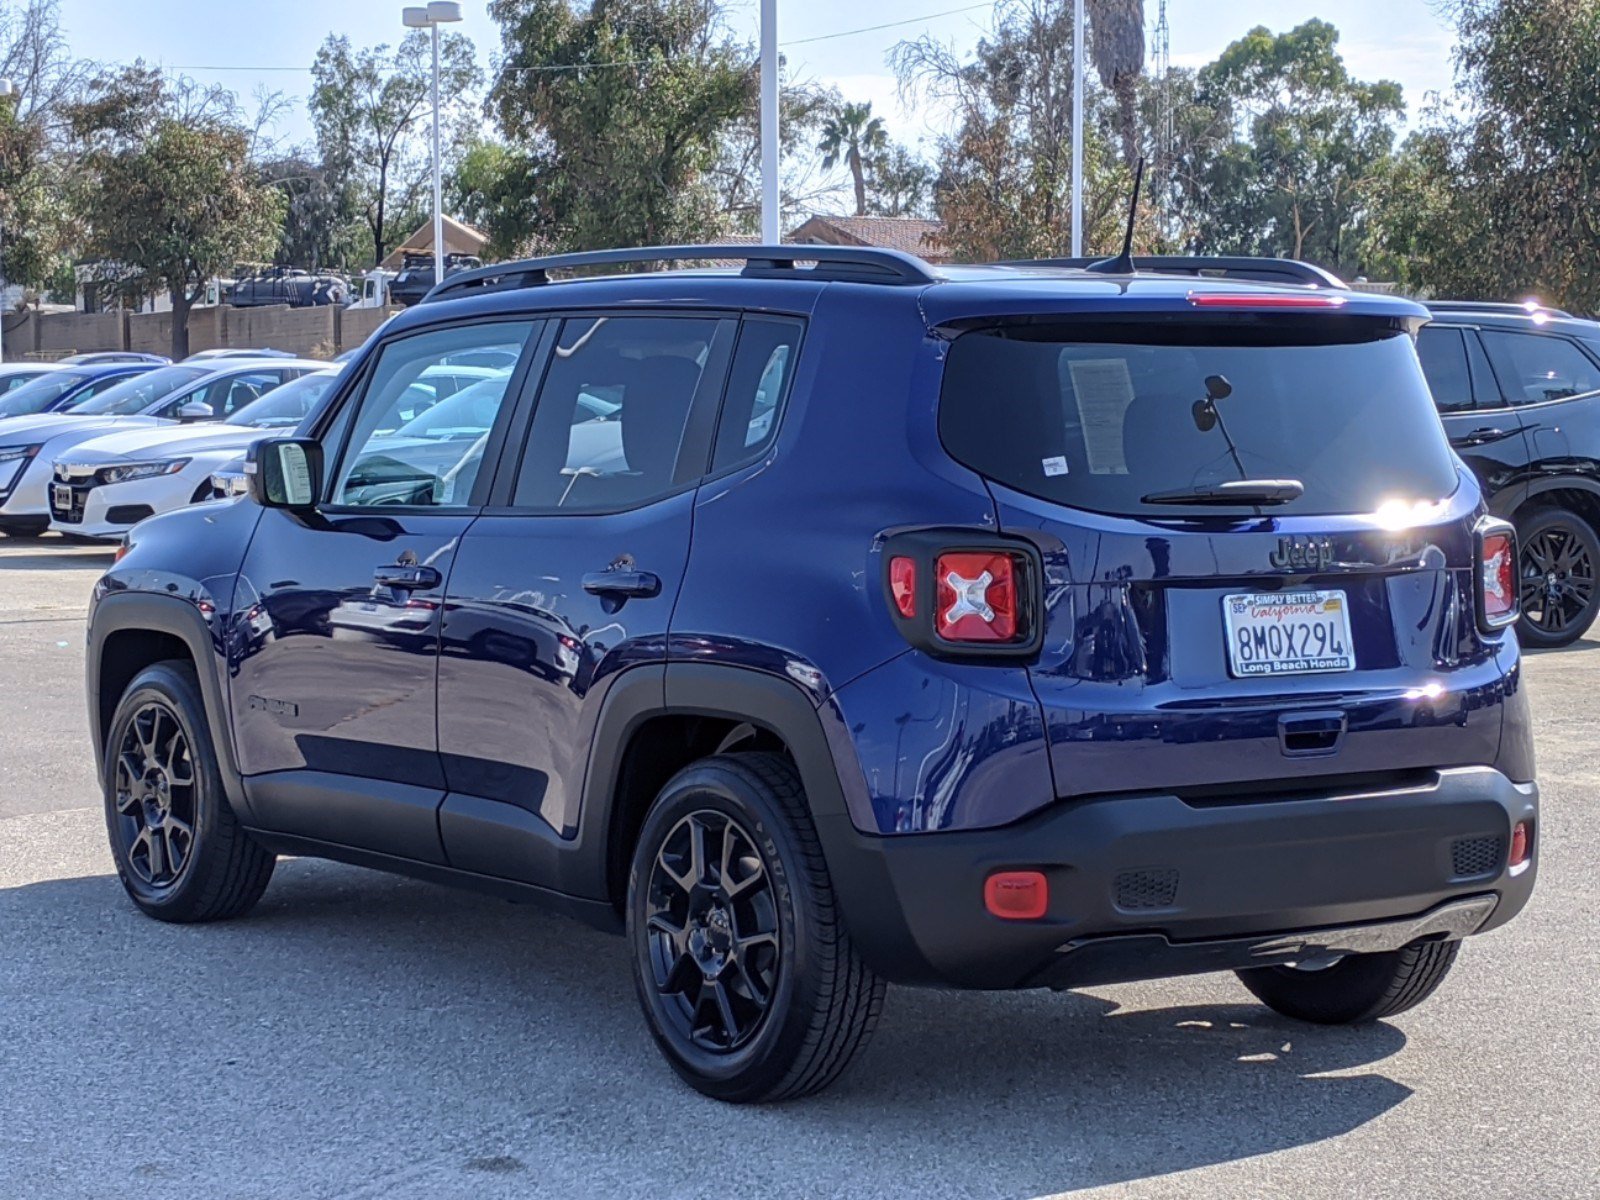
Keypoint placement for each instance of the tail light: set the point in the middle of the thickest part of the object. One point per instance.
(956, 595)
(1257, 300)
(1497, 574)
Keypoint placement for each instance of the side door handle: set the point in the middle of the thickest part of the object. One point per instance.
(622, 583)
(1482, 436)
(407, 577)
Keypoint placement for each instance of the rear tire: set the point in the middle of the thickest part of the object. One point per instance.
(180, 852)
(1356, 989)
(748, 980)
(1558, 563)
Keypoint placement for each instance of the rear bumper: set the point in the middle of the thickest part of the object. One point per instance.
(1144, 886)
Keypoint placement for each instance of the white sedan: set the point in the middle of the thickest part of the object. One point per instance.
(107, 484)
(29, 446)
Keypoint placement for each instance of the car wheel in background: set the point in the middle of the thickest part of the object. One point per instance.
(1560, 555)
(1356, 988)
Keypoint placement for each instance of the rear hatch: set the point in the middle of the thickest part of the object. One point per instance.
(1315, 626)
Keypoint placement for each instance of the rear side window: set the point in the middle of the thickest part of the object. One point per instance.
(1100, 418)
(609, 429)
(1533, 369)
(1443, 354)
(758, 384)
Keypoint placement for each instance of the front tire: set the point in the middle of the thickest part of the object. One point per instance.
(749, 982)
(1358, 987)
(1557, 566)
(180, 851)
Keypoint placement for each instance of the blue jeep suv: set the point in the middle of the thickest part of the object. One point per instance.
(830, 619)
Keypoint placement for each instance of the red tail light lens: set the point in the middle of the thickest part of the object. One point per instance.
(976, 597)
(1498, 582)
(903, 584)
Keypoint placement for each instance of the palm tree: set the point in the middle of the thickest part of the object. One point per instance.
(852, 133)
(1117, 46)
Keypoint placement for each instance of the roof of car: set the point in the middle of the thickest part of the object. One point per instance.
(111, 368)
(951, 293)
(1538, 320)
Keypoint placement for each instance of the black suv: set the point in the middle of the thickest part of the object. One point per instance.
(829, 625)
(1518, 387)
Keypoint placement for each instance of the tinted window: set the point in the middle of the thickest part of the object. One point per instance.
(38, 395)
(1443, 355)
(1532, 368)
(140, 392)
(1101, 424)
(391, 461)
(1485, 391)
(227, 395)
(757, 386)
(12, 380)
(610, 423)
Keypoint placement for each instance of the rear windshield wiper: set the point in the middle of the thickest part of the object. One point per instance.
(1237, 491)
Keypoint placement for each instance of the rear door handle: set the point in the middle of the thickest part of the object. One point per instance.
(622, 583)
(407, 577)
(1481, 436)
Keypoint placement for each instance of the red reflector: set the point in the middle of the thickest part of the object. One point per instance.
(1521, 843)
(1016, 895)
(1264, 300)
(122, 549)
(1499, 578)
(903, 584)
(977, 597)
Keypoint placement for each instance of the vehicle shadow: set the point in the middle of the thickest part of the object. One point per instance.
(363, 1035)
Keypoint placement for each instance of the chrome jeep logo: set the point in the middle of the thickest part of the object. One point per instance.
(1302, 553)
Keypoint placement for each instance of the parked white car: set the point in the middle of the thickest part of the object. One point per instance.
(166, 396)
(107, 484)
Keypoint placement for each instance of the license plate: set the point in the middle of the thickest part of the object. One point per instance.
(61, 497)
(1288, 633)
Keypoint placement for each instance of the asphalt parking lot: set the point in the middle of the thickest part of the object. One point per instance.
(365, 1036)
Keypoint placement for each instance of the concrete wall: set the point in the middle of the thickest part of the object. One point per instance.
(311, 332)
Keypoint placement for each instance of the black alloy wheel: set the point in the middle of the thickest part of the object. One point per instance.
(714, 931)
(1558, 589)
(155, 796)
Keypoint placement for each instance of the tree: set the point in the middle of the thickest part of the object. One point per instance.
(371, 110)
(618, 109)
(736, 174)
(1286, 149)
(899, 184)
(851, 134)
(165, 187)
(1116, 43)
(1004, 184)
(1495, 198)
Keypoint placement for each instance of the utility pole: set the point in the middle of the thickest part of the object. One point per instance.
(770, 233)
(1077, 128)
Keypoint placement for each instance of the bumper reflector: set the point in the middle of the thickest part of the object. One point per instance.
(1521, 843)
(1016, 895)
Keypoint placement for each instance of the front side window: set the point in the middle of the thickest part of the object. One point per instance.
(135, 395)
(38, 395)
(1533, 369)
(1119, 421)
(285, 407)
(420, 427)
(609, 427)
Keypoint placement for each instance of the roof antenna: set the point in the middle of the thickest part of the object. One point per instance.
(1122, 264)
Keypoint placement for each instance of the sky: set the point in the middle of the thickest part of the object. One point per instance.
(252, 45)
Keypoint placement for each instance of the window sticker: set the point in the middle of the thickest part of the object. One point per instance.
(1055, 466)
(1103, 390)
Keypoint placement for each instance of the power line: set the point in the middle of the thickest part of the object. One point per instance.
(634, 62)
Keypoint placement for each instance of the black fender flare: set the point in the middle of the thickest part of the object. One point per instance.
(148, 612)
(1555, 483)
(855, 861)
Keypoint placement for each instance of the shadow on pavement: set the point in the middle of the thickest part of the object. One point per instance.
(362, 1035)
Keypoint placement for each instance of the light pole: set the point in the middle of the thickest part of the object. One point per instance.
(435, 14)
(6, 92)
(770, 232)
(1077, 128)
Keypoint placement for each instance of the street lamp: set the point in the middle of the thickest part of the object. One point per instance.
(431, 16)
(7, 91)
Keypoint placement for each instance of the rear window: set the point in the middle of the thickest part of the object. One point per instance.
(1099, 417)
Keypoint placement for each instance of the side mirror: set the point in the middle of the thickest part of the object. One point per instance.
(285, 472)
(196, 410)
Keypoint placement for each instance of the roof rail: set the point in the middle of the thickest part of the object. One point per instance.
(1497, 306)
(1224, 266)
(858, 264)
